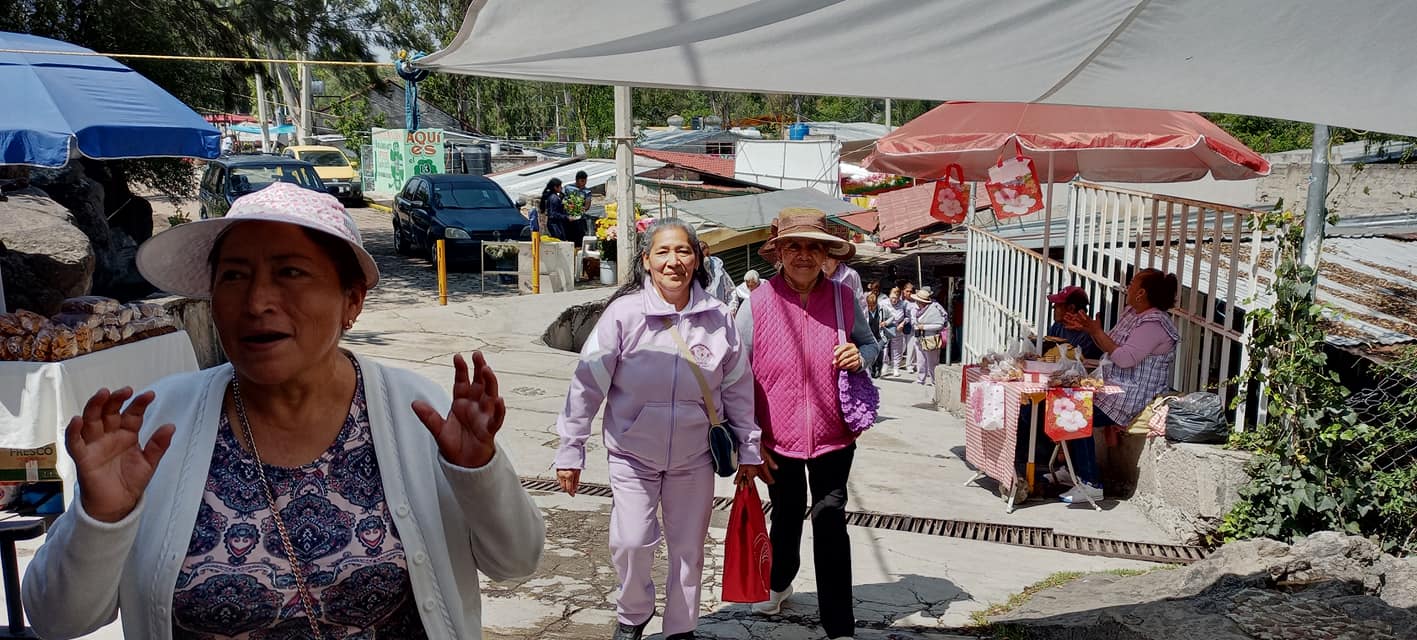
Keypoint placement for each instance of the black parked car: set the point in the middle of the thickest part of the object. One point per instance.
(230, 177)
(465, 210)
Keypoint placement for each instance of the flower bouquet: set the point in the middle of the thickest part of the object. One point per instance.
(575, 205)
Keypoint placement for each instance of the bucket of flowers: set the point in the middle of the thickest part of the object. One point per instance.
(575, 205)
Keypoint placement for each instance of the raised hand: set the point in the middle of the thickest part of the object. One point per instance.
(113, 469)
(466, 436)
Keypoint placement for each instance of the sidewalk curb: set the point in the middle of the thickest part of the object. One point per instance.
(377, 207)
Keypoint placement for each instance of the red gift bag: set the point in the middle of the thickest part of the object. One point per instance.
(747, 553)
(1013, 187)
(952, 201)
(1068, 415)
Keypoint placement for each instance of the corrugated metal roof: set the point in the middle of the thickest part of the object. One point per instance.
(1371, 281)
(701, 162)
(528, 181)
(757, 211)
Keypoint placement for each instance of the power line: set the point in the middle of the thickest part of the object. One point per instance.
(148, 56)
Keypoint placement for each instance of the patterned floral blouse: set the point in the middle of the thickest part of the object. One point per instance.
(236, 581)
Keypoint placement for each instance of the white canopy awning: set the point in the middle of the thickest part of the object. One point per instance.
(1339, 63)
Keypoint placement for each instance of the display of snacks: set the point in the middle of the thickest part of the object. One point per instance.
(84, 325)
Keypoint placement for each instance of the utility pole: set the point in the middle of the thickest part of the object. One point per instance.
(890, 123)
(261, 112)
(1314, 209)
(307, 132)
(625, 181)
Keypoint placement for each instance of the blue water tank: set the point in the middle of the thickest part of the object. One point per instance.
(797, 131)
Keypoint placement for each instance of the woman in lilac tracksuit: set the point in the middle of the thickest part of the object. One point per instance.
(656, 426)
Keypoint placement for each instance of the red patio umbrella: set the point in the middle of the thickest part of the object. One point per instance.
(1108, 144)
(1096, 143)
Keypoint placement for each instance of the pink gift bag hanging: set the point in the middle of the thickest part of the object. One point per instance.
(1013, 186)
(951, 203)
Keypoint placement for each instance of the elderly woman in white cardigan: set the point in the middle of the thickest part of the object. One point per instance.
(300, 491)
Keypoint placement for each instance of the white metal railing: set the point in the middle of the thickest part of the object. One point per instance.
(1001, 292)
(1111, 234)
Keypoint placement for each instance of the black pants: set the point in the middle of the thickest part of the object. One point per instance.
(831, 548)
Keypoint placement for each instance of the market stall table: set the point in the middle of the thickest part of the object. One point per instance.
(37, 399)
(991, 451)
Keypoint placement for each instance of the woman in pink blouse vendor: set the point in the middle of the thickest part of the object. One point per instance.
(1140, 357)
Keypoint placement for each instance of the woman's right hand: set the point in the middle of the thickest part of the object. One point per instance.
(570, 480)
(113, 469)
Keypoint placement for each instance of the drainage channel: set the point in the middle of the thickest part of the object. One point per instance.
(1019, 536)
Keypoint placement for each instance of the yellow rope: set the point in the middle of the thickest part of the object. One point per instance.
(148, 56)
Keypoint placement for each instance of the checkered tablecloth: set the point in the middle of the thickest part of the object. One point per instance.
(991, 451)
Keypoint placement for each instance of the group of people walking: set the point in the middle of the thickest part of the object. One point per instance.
(305, 491)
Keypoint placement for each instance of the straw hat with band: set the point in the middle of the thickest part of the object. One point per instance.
(807, 224)
(176, 259)
(923, 294)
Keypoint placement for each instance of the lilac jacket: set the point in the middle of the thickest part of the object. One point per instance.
(654, 409)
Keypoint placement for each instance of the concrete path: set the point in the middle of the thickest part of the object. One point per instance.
(908, 585)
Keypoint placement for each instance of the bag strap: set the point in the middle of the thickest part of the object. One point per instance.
(709, 405)
(840, 325)
(955, 171)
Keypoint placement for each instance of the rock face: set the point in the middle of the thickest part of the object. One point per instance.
(574, 325)
(45, 258)
(99, 201)
(1328, 586)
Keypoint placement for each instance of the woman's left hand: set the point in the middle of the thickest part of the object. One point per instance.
(847, 357)
(466, 436)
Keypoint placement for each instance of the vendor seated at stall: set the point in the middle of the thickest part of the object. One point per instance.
(1141, 353)
(1069, 300)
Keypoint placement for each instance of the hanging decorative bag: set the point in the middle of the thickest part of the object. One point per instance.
(858, 396)
(952, 203)
(1068, 414)
(1013, 186)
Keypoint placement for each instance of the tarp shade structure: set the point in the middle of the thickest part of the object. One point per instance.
(757, 211)
(104, 109)
(1338, 63)
(1103, 144)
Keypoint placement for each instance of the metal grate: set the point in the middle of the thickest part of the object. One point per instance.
(1015, 535)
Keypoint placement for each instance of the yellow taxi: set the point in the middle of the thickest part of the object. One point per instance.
(340, 178)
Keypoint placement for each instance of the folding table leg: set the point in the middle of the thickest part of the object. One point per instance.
(977, 475)
(1068, 458)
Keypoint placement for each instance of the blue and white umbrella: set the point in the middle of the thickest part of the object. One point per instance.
(55, 106)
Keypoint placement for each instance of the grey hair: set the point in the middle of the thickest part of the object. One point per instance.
(752, 276)
(636, 282)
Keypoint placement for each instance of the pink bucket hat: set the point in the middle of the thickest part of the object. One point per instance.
(176, 259)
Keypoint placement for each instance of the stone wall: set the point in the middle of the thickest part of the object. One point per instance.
(195, 317)
(1374, 188)
(1187, 488)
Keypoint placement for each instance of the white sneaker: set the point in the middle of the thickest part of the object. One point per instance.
(896, 372)
(1060, 476)
(774, 603)
(1081, 492)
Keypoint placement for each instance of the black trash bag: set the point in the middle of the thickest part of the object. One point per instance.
(1197, 418)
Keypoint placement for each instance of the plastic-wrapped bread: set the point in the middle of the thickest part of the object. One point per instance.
(74, 320)
(10, 348)
(41, 345)
(10, 325)
(111, 334)
(83, 338)
(125, 315)
(63, 344)
(30, 321)
(149, 310)
(90, 304)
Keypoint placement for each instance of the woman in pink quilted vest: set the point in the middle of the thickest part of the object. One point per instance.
(788, 328)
